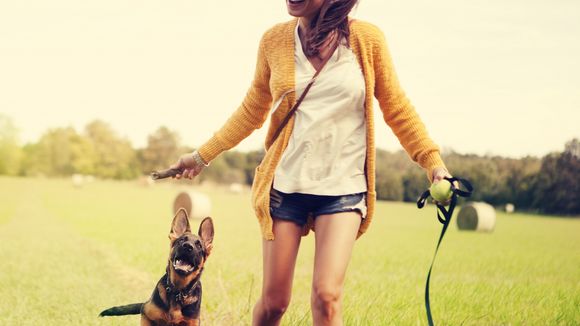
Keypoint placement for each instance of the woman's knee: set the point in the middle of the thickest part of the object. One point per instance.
(275, 303)
(326, 298)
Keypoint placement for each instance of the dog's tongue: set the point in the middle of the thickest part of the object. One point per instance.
(182, 265)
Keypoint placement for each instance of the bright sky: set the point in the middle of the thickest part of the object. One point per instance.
(496, 77)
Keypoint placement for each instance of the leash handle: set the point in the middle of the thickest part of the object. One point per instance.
(445, 220)
(156, 175)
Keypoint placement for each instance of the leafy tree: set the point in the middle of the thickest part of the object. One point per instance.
(235, 160)
(31, 163)
(414, 184)
(162, 150)
(482, 172)
(573, 147)
(10, 152)
(59, 152)
(219, 171)
(115, 158)
(557, 190)
(233, 167)
(396, 169)
(253, 159)
(389, 185)
(519, 179)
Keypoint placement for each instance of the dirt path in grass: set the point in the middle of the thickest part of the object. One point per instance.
(50, 275)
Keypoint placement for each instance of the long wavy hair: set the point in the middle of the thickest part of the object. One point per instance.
(333, 16)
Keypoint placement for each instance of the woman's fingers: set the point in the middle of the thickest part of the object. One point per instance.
(189, 168)
(439, 173)
(181, 175)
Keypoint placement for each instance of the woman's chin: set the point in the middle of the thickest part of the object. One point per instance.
(296, 7)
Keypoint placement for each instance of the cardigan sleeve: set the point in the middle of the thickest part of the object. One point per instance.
(249, 116)
(399, 113)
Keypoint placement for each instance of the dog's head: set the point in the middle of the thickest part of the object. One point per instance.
(188, 251)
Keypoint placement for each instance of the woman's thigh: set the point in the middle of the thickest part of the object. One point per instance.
(335, 237)
(279, 259)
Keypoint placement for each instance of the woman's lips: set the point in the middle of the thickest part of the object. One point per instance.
(295, 4)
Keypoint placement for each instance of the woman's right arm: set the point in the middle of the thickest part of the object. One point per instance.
(250, 116)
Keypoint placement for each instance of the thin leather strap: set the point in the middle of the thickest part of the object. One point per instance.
(445, 220)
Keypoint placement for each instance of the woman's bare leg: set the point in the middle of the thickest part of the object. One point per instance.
(335, 236)
(279, 260)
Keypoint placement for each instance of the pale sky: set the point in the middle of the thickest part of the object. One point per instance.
(487, 77)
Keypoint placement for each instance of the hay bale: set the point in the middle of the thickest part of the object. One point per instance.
(509, 208)
(476, 216)
(77, 180)
(196, 204)
(146, 181)
(236, 188)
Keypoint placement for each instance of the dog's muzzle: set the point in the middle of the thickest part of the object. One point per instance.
(187, 258)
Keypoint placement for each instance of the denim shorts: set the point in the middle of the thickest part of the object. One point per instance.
(296, 207)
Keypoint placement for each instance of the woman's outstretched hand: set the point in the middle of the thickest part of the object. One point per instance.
(189, 165)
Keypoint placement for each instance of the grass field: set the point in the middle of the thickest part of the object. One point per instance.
(68, 253)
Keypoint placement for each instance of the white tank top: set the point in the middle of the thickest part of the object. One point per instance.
(327, 149)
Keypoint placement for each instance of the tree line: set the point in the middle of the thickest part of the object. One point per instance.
(545, 185)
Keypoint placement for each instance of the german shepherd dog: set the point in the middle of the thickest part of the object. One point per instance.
(176, 300)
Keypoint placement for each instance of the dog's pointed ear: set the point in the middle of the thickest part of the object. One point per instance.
(206, 232)
(180, 225)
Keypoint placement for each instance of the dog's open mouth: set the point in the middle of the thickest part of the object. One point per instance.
(183, 264)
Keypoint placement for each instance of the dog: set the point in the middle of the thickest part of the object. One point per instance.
(176, 300)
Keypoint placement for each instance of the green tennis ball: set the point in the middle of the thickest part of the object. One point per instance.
(441, 191)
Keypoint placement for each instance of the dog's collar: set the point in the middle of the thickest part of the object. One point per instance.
(179, 295)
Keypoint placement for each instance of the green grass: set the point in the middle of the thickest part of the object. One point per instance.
(67, 253)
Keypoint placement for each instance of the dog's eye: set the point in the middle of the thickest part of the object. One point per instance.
(198, 244)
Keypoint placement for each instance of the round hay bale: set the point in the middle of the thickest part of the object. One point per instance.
(146, 181)
(509, 208)
(476, 216)
(236, 188)
(78, 180)
(196, 204)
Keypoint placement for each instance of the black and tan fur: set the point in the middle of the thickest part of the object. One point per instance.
(176, 300)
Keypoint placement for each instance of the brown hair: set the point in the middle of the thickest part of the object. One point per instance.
(333, 16)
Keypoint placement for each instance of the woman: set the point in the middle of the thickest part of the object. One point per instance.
(319, 168)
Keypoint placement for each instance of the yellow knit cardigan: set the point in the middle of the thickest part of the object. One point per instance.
(274, 80)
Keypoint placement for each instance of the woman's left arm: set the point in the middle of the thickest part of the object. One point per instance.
(400, 115)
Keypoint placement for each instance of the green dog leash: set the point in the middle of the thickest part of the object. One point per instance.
(445, 220)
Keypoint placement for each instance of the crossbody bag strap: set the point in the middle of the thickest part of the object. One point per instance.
(312, 80)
